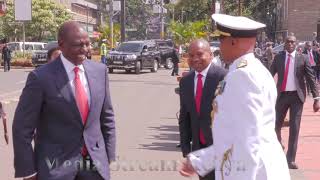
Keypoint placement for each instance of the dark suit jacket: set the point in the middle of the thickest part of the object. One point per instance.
(302, 71)
(47, 104)
(189, 121)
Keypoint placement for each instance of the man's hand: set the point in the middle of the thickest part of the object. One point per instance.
(31, 178)
(316, 106)
(186, 169)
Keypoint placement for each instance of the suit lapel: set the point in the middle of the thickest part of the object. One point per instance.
(62, 83)
(92, 80)
(190, 88)
(206, 88)
(282, 64)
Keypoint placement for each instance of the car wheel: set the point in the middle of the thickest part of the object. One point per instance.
(110, 70)
(138, 67)
(155, 66)
(128, 70)
(169, 64)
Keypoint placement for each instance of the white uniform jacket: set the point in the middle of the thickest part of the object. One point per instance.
(245, 146)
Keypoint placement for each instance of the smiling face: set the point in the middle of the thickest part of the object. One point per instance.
(74, 43)
(200, 55)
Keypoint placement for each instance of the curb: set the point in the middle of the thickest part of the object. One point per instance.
(18, 67)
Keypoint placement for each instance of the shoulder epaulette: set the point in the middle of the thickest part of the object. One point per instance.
(243, 63)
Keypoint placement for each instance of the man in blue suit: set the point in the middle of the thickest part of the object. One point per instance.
(68, 103)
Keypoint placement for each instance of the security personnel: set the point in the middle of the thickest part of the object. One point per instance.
(103, 51)
(245, 145)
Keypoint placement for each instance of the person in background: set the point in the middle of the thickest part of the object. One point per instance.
(4, 122)
(268, 54)
(6, 56)
(197, 92)
(294, 72)
(53, 54)
(175, 61)
(103, 51)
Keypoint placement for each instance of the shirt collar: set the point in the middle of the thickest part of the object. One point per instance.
(204, 72)
(69, 67)
(235, 63)
(293, 54)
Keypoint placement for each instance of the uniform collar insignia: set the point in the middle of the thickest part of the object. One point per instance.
(243, 63)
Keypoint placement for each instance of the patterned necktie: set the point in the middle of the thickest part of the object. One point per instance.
(82, 102)
(198, 104)
(285, 77)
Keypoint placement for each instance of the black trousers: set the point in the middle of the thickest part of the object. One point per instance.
(289, 101)
(211, 175)
(6, 65)
(175, 70)
(88, 171)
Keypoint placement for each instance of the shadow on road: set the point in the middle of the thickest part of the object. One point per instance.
(165, 138)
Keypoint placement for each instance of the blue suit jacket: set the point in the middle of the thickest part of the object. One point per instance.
(47, 104)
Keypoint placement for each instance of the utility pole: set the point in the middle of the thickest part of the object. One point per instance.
(239, 8)
(162, 21)
(87, 18)
(123, 21)
(213, 7)
(111, 22)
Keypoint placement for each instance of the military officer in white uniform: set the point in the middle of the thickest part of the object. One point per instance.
(245, 145)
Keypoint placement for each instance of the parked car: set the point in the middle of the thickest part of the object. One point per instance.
(29, 46)
(134, 55)
(166, 48)
(39, 57)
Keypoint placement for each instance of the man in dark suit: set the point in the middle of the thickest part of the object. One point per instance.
(6, 56)
(313, 58)
(294, 72)
(197, 91)
(68, 103)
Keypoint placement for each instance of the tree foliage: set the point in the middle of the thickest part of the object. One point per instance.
(106, 32)
(183, 33)
(138, 15)
(47, 16)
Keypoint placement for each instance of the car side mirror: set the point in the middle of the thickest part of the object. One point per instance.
(144, 50)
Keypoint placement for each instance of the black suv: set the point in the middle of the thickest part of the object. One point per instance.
(167, 53)
(134, 55)
(39, 57)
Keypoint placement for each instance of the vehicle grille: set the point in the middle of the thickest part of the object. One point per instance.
(117, 58)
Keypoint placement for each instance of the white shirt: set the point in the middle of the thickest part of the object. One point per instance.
(243, 128)
(291, 84)
(69, 67)
(204, 75)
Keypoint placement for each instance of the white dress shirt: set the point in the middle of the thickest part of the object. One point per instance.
(69, 67)
(291, 84)
(204, 75)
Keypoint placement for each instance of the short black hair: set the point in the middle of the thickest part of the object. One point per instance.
(50, 52)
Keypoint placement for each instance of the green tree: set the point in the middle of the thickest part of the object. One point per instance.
(106, 31)
(138, 15)
(191, 10)
(47, 16)
(183, 33)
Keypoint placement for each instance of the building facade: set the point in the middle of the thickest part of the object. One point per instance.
(297, 17)
(86, 12)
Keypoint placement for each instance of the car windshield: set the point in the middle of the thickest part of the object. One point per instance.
(130, 47)
(215, 44)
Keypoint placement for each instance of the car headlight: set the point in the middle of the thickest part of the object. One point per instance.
(131, 57)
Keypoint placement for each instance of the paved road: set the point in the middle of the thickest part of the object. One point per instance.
(145, 107)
